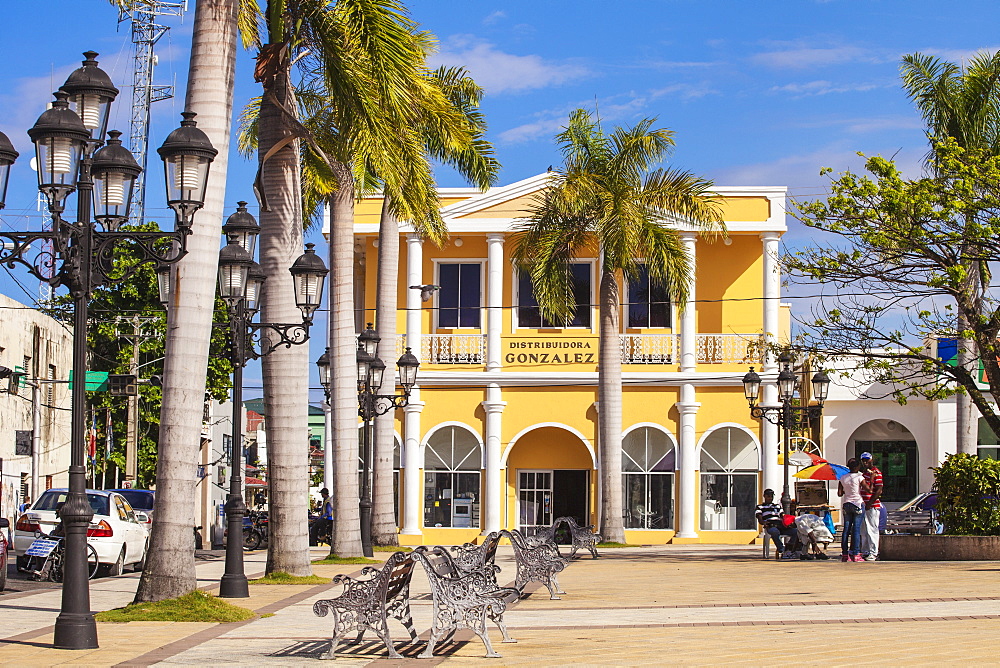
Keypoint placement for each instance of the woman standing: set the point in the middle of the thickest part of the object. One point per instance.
(849, 487)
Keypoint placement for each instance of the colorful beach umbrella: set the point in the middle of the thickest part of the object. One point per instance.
(823, 471)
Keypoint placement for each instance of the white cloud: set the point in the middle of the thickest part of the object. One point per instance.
(500, 72)
(494, 17)
(962, 56)
(864, 125)
(611, 109)
(685, 91)
(823, 87)
(804, 58)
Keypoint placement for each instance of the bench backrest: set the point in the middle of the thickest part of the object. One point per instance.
(399, 570)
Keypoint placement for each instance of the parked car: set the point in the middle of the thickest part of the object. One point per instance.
(117, 532)
(4, 524)
(139, 499)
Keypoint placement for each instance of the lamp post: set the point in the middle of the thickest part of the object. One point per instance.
(787, 416)
(241, 282)
(370, 369)
(71, 157)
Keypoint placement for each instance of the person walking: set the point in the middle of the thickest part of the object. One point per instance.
(769, 517)
(849, 488)
(872, 496)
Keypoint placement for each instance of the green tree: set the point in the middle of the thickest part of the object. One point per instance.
(968, 495)
(608, 200)
(961, 103)
(468, 152)
(900, 267)
(364, 66)
(113, 308)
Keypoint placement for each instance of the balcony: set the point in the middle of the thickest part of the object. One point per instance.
(636, 348)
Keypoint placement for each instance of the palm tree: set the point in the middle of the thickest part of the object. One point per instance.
(606, 198)
(472, 156)
(170, 568)
(962, 103)
(364, 62)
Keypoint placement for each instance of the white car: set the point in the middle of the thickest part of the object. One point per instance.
(117, 532)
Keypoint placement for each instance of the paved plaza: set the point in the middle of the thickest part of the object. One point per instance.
(665, 605)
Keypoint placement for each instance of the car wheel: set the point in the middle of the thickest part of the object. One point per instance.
(117, 568)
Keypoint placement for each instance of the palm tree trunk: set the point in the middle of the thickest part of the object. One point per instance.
(383, 511)
(169, 568)
(343, 374)
(285, 371)
(610, 409)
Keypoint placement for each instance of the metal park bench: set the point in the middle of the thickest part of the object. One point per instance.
(470, 557)
(536, 563)
(463, 599)
(911, 521)
(582, 537)
(368, 604)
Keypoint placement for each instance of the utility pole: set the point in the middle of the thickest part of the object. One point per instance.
(136, 329)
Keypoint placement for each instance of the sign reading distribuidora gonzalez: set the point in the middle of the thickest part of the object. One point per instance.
(542, 353)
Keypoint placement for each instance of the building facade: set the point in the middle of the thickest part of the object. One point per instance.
(35, 416)
(501, 431)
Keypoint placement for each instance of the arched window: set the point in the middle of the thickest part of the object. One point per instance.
(729, 466)
(452, 462)
(648, 479)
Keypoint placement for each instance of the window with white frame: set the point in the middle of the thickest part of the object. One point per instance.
(460, 296)
(452, 461)
(648, 462)
(729, 467)
(529, 314)
(648, 301)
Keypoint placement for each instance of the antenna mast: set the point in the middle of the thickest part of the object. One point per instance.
(145, 33)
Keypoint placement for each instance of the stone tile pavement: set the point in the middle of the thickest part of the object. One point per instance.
(681, 605)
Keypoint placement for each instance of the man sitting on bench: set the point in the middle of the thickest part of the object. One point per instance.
(769, 517)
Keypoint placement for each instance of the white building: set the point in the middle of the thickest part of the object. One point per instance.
(42, 348)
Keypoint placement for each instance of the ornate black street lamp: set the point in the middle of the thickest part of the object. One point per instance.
(241, 282)
(68, 139)
(370, 370)
(787, 416)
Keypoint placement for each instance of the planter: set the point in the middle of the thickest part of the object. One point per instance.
(939, 548)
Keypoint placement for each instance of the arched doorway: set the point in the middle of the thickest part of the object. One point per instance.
(729, 466)
(894, 451)
(549, 469)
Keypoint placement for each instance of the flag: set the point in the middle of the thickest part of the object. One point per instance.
(92, 438)
(109, 442)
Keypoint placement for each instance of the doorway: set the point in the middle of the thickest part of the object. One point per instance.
(544, 495)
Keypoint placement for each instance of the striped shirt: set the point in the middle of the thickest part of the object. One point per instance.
(874, 479)
(768, 512)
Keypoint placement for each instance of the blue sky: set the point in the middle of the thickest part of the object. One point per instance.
(758, 93)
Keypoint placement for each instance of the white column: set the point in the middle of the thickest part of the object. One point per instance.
(494, 300)
(687, 407)
(687, 465)
(689, 328)
(769, 392)
(328, 454)
(414, 276)
(412, 460)
(493, 489)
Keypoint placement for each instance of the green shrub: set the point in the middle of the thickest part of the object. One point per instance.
(968, 491)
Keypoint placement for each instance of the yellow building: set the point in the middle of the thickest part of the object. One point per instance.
(501, 431)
